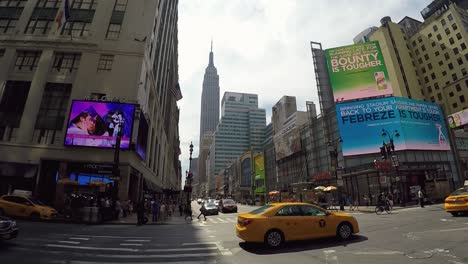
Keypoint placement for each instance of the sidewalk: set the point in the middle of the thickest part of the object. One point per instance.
(132, 220)
(371, 208)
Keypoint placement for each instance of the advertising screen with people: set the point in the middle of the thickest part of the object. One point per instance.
(97, 124)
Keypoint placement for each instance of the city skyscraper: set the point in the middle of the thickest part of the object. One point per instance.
(209, 116)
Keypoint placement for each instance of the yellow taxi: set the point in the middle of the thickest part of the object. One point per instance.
(276, 223)
(21, 206)
(457, 202)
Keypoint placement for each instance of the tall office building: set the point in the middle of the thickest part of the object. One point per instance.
(241, 128)
(209, 115)
(114, 50)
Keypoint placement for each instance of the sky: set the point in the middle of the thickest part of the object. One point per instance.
(263, 47)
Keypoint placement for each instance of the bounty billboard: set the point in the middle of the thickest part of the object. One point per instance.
(420, 125)
(358, 71)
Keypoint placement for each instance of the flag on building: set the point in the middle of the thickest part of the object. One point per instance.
(63, 15)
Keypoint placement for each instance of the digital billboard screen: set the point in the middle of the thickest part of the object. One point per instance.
(358, 71)
(142, 139)
(420, 125)
(458, 119)
(96, 124)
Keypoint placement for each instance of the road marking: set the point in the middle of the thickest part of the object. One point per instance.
(330, 259)
(220, 219)
(178, 249)
(78, 238)
(378, 253)
(224, 251)
(88, 236)
(456, 262)
(69, 242)
(199, 243)
(211, 220)
(131, 244)
(92, 248)
(89, 262)
(158, 256)
(447, 220)
(137, 240)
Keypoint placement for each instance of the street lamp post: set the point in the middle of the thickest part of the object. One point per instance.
(388, 149)
(189, 177)
(115, 165)
(339, 182)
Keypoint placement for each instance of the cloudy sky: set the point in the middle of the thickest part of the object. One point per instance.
(263, 47)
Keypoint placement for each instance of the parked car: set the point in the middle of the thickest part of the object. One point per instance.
(8, 228)
(457, 202)
(227, 205)
(19, 206)
(209, 209)
(270, 224)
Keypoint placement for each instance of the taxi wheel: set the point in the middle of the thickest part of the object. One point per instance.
(455, 214)
(274, 238)
(344, 231)
(2, 213)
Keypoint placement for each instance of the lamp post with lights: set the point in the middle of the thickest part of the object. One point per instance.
(388, 151)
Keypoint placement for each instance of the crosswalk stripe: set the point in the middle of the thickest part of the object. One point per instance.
(220, 219)
(211, 220)
(69, 242)
(137, 240)
(178, 249)
(131, 244)
(79, 238)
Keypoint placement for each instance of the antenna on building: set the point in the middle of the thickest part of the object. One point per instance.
(211, 44)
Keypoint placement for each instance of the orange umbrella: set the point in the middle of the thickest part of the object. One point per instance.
(96, 183)
(67, 181)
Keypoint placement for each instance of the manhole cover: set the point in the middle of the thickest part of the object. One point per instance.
(419, 255)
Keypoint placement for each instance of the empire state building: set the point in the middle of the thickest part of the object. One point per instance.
(209, 116)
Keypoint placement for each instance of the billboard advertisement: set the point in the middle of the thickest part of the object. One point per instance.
(287, 143)
(358, 71)
(142, 139)
(412, 124)
(458, 119)
(96, 124)
(259, 174)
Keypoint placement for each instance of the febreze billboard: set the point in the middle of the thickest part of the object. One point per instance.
(412, 124)
(358, 71)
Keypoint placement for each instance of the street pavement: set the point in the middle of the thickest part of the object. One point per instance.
(410, 235)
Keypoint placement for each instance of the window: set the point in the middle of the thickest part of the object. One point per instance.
(84, 4)
(7, 25)
(426, 57)
(436, 86)
(120, 5)
(460, 61)
(423, 70)
(455, 50)
(420, 61)
(38, 27)
(451, 94)
(416, 52)
(463, 46)
(450, 17)
(429, 35)
(76, 28)
(454, 77)
(66, 62)
(437, 53)
(12, 3)
(462, 98)
(113, 31)
(459, 36)
(433, 76)
(43, 17)
(105, 62)
(419, 39)
(27, 60)
(429, 89)
(426, 79)
(439, 96)
(53, 106)
(435, 28)
(446, 55)
(451, 41)
(463, 71)
(454, 105)
(458, 87)
(2, 53)
(450, 66)
(442, 46)
(413, 43)
(429, 66)
(48, 4)
(444, 73)
(443, 22)
(439, 37)
(432, 99)
(433, 44)
(447, 31)
(454, 26)
(441, 63)
(12, 103)
(312, 211)
(423, 48)
(289, 210)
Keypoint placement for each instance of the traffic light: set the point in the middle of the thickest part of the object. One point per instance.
(383, 152)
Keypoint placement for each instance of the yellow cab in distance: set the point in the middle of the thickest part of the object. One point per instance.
(22, 206)
(276, 223)
(457, 202)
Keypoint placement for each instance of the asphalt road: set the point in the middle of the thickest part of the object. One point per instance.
(412, 235)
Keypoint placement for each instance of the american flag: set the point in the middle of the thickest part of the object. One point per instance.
(63, 15)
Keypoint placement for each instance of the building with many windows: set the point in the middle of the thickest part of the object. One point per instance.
(107, 50)
(241, 128)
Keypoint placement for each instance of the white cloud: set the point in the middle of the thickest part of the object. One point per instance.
(262, 47)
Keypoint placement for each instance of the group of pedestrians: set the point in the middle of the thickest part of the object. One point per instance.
(160, 210)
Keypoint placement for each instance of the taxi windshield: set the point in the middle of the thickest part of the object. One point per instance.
(261, 209)
(462, 191)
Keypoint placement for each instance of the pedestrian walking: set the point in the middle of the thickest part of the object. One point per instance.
(140, 208)
(202, 212)
(154, 210)
(421, 198)
(181, 209)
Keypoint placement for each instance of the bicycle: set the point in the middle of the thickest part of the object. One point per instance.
(379, 209)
